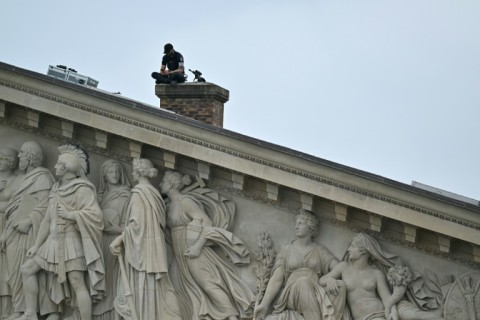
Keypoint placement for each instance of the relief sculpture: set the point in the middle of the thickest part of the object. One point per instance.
(8, 164)
(71, 251)
(67, 255)
(463, 298)
(24, 212)
(113, 193)
(143, 252)
(199, 220)
(295, 275)
(364, 271)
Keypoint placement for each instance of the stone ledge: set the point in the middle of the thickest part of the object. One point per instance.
(203, 90)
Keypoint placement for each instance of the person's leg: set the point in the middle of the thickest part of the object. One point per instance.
(160, 78)
(179, 78)
(77, 281)
(29, 272)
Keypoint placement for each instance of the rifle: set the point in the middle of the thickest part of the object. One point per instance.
(198, 75)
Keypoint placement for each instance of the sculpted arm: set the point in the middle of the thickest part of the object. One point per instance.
(384, 293)
(194, 211)
(36, 214)
(274, 285)
(329, 280)
(333, 264)
(42, 235)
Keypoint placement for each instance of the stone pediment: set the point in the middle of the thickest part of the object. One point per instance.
(268, 183)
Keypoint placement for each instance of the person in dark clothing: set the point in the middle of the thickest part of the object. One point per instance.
(172, 70)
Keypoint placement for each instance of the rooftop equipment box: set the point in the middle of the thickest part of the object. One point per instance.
(70, 75)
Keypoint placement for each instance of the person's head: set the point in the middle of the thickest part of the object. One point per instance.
(30, 154)
(112, 173)
(174, 180)
(306, 224)
(168, 49)
(143, 168)
(72, 160)
(8, 159)
(370, 248)
(357, 248)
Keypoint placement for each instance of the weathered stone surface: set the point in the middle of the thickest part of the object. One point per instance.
(435, 236)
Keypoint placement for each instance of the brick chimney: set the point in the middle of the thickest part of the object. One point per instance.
(201, 101)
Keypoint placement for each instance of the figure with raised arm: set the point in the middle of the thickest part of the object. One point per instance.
(113, 193)
(143, 251)
(68, 245)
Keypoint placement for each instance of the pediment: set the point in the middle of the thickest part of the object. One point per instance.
(268, 183)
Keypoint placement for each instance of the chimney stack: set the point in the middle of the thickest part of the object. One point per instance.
(201, 101)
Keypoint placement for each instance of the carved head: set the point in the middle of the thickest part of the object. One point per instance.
(10, 157)
(359, 242)
(174, 180)
(72, 159)
(143, 168)
(376, 255)
(112, 172)
(357, 247)
(309, 219)
(30, 154)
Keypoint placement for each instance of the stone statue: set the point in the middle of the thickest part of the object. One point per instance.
(145, 252)
(113, 194)
(296, 273)
(368, 291)
(8, 164)
(25, 211)
(198, 223)
(68, 244)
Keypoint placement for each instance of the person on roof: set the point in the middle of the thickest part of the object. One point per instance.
(172, 70)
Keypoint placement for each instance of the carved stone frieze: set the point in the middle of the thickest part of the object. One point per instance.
(463, 298)
(187, 234)
(245, 156)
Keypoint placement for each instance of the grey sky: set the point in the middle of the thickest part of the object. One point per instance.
(389, 87)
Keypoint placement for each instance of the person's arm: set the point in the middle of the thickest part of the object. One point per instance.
(333, 264)
(163, 70)
(329, 281)
(180, 69)
(195, 212)
(273, 287)
(42, 235)
(385, 295)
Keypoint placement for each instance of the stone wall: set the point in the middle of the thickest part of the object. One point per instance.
(436, 237)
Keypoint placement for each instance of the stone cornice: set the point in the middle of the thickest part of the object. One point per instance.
(201, 90)
(264, 168)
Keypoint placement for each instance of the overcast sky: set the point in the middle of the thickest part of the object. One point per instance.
(388, 87)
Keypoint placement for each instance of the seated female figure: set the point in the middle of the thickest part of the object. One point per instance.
(368, 292)
(296, 274)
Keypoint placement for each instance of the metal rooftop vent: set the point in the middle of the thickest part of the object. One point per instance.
(71, 75)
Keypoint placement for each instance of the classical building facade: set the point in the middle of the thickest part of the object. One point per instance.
(265, 190)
